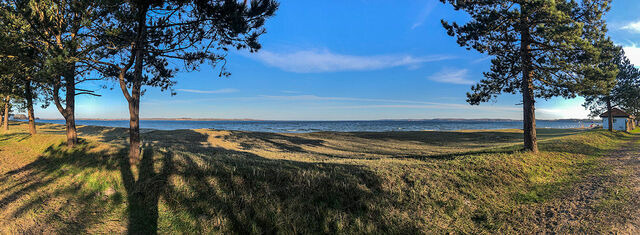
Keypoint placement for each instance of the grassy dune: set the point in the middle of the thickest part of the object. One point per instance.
(208, 181)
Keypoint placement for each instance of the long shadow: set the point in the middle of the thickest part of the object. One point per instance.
(438, 137)
(143, 193)
(259, 195)
(281, 142)
(454, 137)
(197, 185)
(451, 156)
(28, 189)
(185, 185)
(22, 136)
(294, 142)
(106, 134)
(562, 145)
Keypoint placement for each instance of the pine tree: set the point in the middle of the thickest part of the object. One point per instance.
(59, 32)
(540, 48)
(625, 94)
(145, 36)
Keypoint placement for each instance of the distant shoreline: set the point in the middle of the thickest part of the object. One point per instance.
(329, 126)
(156, 119)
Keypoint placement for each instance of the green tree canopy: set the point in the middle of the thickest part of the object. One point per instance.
(61, 34)
(540, 48)
(148, 41)
(625, 94)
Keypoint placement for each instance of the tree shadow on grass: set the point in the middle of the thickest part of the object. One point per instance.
(54, 193)
(439, 137)
(144, 191)
(451, 156)
(18, 136)
(456, 137)
(191, 188)
(254, 195)
(282, 142)
(213, 189)
(545, 144)
(183, 184)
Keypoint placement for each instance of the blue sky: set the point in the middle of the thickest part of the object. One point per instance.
(349, 60)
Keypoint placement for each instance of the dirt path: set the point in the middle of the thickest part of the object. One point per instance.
(607, 202)
(626, 163)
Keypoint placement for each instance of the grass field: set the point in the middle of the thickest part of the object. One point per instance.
(208, 181)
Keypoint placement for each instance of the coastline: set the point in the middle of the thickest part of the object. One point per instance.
(332, 126)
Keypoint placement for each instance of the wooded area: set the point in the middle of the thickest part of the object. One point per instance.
(48, 49)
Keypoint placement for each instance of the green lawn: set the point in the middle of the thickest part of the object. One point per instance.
(208, 181)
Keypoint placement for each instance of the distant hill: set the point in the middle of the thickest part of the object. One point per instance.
(20, 117)
(200, 119)
(171, 119)
(486, 120)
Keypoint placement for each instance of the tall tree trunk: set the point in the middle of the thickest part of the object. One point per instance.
(528, 98)
(134, 125)
(28, 95)
(610, 121)
(69, 115)
(134, 99)
(5, 124)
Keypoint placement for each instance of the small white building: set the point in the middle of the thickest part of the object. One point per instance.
(622, 121)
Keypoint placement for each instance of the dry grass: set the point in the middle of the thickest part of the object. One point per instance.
(206, 181)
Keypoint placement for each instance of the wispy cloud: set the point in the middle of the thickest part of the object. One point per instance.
(422, 17)
(319, 61)
(633, 53)
(481, 59)
(633, 27)
(576, 111)
(220, 91)
(453, 76)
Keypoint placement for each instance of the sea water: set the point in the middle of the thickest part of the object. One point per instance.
(342, 126)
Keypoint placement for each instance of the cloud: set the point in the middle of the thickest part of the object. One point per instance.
(321, 61)
(221, 91)
(633, 53)
(422, 17)
(453, 76)
(481, 59)
(633, 27)
(576, 111)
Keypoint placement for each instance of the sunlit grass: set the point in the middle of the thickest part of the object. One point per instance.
(205, 181)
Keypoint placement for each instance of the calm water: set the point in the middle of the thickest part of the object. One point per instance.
(346, 126)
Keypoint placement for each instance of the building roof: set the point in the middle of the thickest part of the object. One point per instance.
(616, 113)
